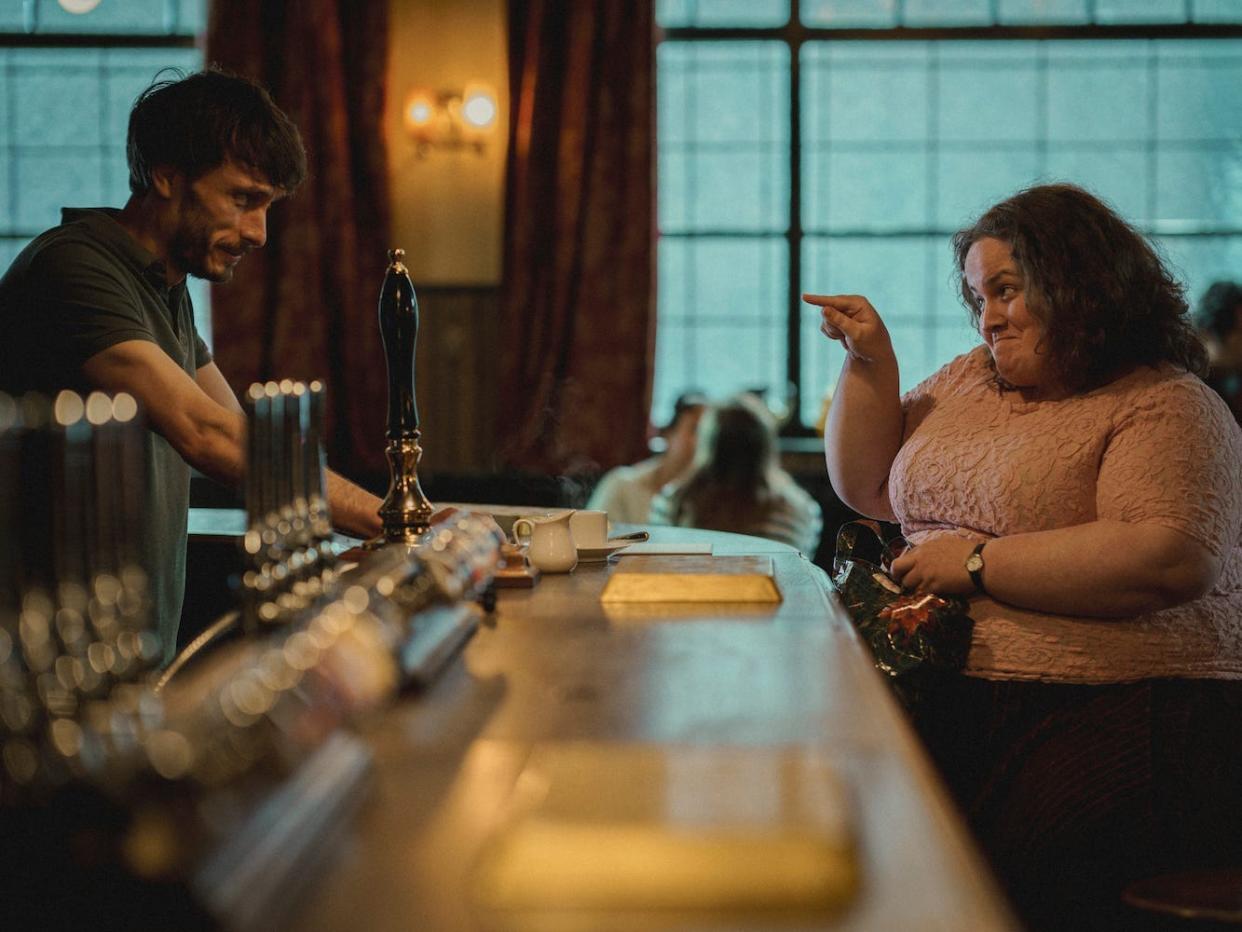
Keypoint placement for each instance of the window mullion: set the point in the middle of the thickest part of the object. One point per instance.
(793, 362)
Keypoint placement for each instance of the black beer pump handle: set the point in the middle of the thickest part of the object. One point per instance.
(398, 315)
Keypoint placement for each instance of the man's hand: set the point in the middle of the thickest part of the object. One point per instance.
(355, 511)
(937, 566)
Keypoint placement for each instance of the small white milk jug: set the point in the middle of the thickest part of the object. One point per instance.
(552, 548)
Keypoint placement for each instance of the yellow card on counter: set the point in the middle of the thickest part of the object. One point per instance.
(673, 829)
(692, 579)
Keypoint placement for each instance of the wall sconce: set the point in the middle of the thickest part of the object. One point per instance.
(450, 119)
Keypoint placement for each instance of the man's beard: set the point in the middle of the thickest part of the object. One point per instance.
(191, 243)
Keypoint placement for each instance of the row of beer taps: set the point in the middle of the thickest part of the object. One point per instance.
(289, 554)
(75, 610)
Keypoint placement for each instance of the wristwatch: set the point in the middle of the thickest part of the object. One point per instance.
(974, 566)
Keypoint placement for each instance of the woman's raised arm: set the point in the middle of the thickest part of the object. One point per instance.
(863, 431)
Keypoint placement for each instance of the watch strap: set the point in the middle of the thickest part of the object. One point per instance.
(974, 566)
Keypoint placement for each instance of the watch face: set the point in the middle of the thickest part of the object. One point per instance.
(974, 563)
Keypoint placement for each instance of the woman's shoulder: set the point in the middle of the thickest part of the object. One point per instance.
(970, 368)
(1171, 390)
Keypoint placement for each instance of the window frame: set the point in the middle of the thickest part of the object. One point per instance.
(172, 37)
(795, 35)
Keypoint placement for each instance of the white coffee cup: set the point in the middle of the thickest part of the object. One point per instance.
(590, 529)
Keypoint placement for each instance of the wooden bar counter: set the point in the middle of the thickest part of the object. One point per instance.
(553, 665)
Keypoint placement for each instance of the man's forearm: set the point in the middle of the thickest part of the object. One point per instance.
(214, 446)
(354, 510)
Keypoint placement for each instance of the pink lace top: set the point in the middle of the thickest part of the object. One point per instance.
(1157, 446)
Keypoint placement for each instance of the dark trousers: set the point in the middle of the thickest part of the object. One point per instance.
(1073, 791)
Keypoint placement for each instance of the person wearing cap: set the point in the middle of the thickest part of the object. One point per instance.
(626, 492)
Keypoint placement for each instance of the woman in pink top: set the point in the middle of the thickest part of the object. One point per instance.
(1078, 481)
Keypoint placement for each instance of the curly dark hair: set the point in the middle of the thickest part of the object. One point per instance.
(1103, 294)
(196, 123)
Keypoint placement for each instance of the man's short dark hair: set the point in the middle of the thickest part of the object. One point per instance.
(197, 123)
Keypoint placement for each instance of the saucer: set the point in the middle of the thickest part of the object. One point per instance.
(600, 554)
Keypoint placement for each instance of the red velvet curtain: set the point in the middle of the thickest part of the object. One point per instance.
(305, 305)
(578, 306)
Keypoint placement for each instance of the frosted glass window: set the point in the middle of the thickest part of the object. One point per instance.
(1203, 259)
(130, 17)
(723, 136)
(1119, 173)
(1140, 11)
(988, 90)
(721, 13)
(1217, 11)
(904, 142)
(115, 17)
(12, 16)
(1099, 93)
(1042, 12)
(64, 110)
(948, 13)
(1190, 78)
(969, 182)
(867, 91)
(722, 310)
(843, 14)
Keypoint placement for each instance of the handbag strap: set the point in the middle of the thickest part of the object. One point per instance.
(862, 541)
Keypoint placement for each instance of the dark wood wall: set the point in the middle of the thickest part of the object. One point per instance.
(456, 378)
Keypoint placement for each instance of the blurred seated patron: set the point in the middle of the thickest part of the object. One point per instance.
(737, 484)
(1219, 318)
(100, 301)
(1075, 478)
(626, 492)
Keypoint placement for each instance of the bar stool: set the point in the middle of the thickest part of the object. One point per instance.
(1195, 900)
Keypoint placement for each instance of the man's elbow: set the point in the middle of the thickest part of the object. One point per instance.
(208, 447)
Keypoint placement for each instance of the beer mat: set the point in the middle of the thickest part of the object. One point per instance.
(599, 830)
(692, 579)
(516, 577)
(650, 549)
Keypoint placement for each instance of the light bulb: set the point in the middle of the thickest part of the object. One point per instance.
(478, 109)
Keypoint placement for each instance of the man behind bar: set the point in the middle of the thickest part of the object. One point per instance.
(100, 302)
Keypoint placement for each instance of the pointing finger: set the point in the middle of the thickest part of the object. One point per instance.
(845, 303)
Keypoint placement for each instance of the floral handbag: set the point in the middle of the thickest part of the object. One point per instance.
(913, 637)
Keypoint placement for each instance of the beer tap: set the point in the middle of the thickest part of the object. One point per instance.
(293, 598)
(72, 527)
(128, 492)
(316, 492)
(406, 512)
(256, 581)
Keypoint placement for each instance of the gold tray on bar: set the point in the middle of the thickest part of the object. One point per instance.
(695, 836)
(692, 579)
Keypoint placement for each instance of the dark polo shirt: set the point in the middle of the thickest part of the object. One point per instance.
(73, 292)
